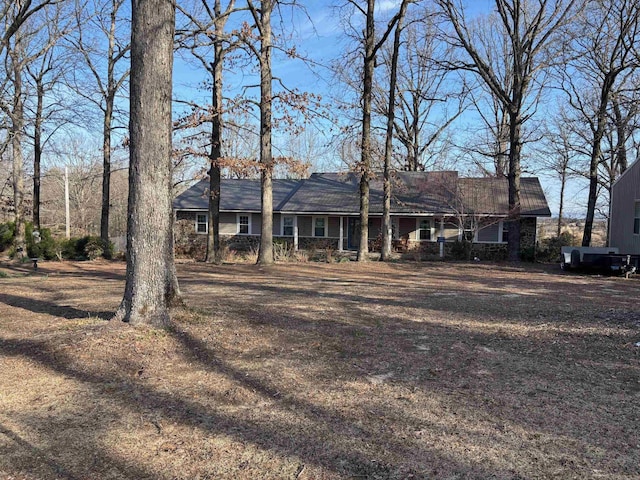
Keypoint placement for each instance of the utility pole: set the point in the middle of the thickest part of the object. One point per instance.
(66, 202)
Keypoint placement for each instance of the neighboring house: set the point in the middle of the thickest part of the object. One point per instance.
(429, 210)
(624, 226)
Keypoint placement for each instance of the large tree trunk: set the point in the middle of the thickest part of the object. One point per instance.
(365, 158)
(106, 170)
(265, 255)
(16, 134)
(386, 216)
(37, 154)
(513, 244)
(151, 286)
(594, 161)
(213, 234)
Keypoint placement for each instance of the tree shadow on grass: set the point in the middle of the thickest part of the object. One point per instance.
(40, 306)
(60, 457)
(324, 436)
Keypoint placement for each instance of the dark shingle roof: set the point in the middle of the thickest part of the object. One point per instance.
(416, 193)
(241, 195)
(338, 193)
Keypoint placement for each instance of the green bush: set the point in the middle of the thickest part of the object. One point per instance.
(47, 248)
(88, 247)
(7, 232)
(94, 248)
(461, 250)
(68, 248)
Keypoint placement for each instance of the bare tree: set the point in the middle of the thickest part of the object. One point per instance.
(529, 28)
(262, 19)
(15, 13)
(369, 47)
(12, 103)
(207, 32)
(102, 41)
(601, 53)
(46, 69)
(560, 152)
(388, 149)
(429, 98)
(151, 286)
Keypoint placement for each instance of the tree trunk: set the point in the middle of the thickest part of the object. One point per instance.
(16, 134)
(106, 170)
(563, 184)
(365, 161)
(594, 162)
(213, 234)
(151, 285)
(265, 256)
(37, 154)
(513, 245)
(385, 254)
(622, 135)
(109, 99)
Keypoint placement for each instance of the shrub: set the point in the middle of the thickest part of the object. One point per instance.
(68, 249)
(528, 254)
(7, 231)
(93, 248)
(548, 249)
(461, 250)
(84, 248)
(47, 248)
(282, 250)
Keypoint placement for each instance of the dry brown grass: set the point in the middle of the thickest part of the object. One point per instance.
(322, 371)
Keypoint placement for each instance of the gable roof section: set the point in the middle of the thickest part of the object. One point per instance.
(491, 196)
(426, 193)
(416, 193)
(236, 195)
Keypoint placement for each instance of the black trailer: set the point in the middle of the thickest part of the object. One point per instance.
(605, 261)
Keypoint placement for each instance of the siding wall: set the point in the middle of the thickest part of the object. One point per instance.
(277, 227)
(228, 224)
(624, 194)
(334, 227)
(304, 226)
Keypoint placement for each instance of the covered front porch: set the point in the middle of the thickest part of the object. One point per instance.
(343, 232)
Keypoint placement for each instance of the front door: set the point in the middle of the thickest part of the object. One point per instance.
(353, 233)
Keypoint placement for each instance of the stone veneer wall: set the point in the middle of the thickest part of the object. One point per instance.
(484, 251)
(190, 244)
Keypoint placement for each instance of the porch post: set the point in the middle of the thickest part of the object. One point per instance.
(295, 233)
(341, 242)
(441, 235)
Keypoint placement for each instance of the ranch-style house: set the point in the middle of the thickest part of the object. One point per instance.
(429, 210)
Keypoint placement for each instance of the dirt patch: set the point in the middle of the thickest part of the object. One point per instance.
(317, 371)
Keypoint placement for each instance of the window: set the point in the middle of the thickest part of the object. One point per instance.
(505, 232)
(489, 234)
(636, 219)
(424, 229)
(243, 225)
(287, 226)
(202, 223)
(319, 227)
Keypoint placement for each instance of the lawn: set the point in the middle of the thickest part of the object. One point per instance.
(322, 371)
